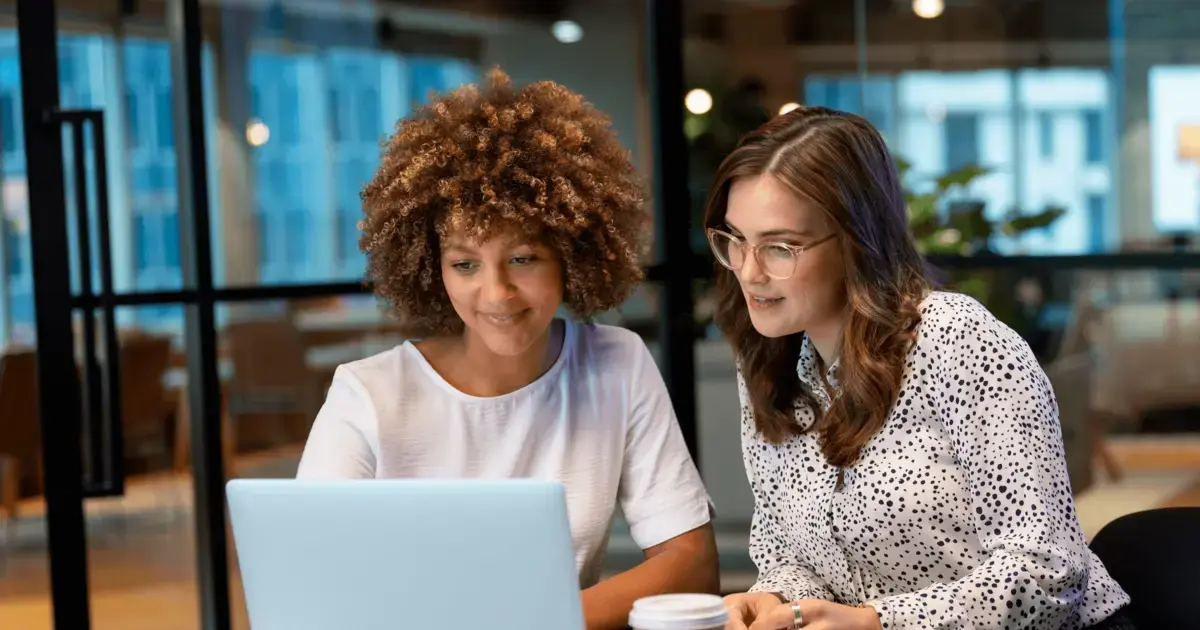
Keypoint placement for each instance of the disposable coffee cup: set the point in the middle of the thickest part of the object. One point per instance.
(684, 611)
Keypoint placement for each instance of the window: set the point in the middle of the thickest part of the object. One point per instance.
(1095, 215)
(370, 122)
(133, 113)
(165, 127)
(873, 98)
(426, 77)
(961, 137)
(1045, 131)
(153, 202)
(296, 235)
(307, 178)
(145, 232)
(348, 232)
(8, 121)
(1093, 137)
(170, 240)
(336, 133)
(12, 249)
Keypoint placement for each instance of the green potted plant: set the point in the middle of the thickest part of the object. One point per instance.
(967, 230)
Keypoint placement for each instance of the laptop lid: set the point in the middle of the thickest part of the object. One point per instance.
(405, 553)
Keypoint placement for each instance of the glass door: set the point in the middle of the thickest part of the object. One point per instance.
(170, 195)
(113, 510)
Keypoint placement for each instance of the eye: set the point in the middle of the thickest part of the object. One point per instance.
(523, 260)
(463, 266)
(776, 250)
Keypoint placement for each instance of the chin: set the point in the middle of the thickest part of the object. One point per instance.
(773, 328)
(510, 340)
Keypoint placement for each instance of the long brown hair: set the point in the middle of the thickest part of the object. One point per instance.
(839, 163)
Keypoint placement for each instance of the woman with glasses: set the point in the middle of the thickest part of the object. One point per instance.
(903, 445)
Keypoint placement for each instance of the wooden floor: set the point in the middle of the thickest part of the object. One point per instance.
(1187, 498)
(142, 550)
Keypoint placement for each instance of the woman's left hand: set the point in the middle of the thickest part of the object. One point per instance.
(818, 615)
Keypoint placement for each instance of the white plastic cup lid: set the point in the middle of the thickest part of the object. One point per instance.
(684, 611)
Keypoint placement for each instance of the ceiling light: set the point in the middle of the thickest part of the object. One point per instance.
(928, 9)
(698, 101)
(257, 132)
(567, 31)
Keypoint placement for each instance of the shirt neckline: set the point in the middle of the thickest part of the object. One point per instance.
(549, 375)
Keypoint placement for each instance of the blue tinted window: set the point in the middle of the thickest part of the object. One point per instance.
(961, 140)
(1093, 137)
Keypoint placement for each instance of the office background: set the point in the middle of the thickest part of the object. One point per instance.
(1052, 150)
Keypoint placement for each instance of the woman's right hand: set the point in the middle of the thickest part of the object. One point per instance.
(744, 608)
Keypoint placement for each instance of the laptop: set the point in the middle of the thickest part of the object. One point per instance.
(414, 554)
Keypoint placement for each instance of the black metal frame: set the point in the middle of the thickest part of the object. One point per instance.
(223, 294)
(186, 36)
(58, 391)
(104, 464)
(677, 335)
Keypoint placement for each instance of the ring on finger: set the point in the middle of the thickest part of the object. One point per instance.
(797, 617)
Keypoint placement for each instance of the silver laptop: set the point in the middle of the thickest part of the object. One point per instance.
(419, 554)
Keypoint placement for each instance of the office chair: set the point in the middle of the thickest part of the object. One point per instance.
(1155, 556)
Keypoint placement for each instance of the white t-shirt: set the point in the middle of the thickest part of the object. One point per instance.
(599, 421)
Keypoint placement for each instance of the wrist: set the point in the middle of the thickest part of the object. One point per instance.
(869, 617)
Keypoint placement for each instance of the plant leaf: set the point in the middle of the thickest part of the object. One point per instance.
(1026, 222)
(962, 177)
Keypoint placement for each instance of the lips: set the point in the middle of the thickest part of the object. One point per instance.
(759, 302)
(501, 319)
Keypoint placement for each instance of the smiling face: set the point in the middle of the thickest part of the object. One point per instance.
(506, 290)
(759, 210)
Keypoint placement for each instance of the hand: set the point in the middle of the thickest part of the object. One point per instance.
(818, 615)
(744, 608)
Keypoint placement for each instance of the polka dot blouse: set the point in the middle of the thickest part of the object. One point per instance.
(958, 514)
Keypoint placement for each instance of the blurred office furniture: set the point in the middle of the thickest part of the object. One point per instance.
(21, 443)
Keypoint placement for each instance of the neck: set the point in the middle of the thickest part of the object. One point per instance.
(826, 339)
(481, 372)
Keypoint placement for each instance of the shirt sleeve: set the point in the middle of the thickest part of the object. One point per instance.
(341, 444)
(779, 571)
(1002, 419)
(660, 493)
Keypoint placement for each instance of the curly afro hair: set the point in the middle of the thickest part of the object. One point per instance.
(537, 161)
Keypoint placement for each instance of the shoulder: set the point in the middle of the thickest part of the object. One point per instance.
(964, 342)
(345, 436)
(610, 349)
(378, 392)
(368, 377)
(956, 320)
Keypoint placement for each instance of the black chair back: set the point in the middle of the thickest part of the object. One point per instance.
(1155, 556)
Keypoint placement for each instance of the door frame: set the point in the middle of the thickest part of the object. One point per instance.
(61, 412)
(59, 406)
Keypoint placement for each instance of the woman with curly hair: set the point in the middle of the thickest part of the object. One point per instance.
(902, 444)
(493, 207)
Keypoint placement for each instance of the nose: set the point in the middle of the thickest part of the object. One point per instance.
(497, 286)
(751, 272)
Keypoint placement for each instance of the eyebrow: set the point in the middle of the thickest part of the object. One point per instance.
(463, 248)
(459, 249)
(773, 233)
